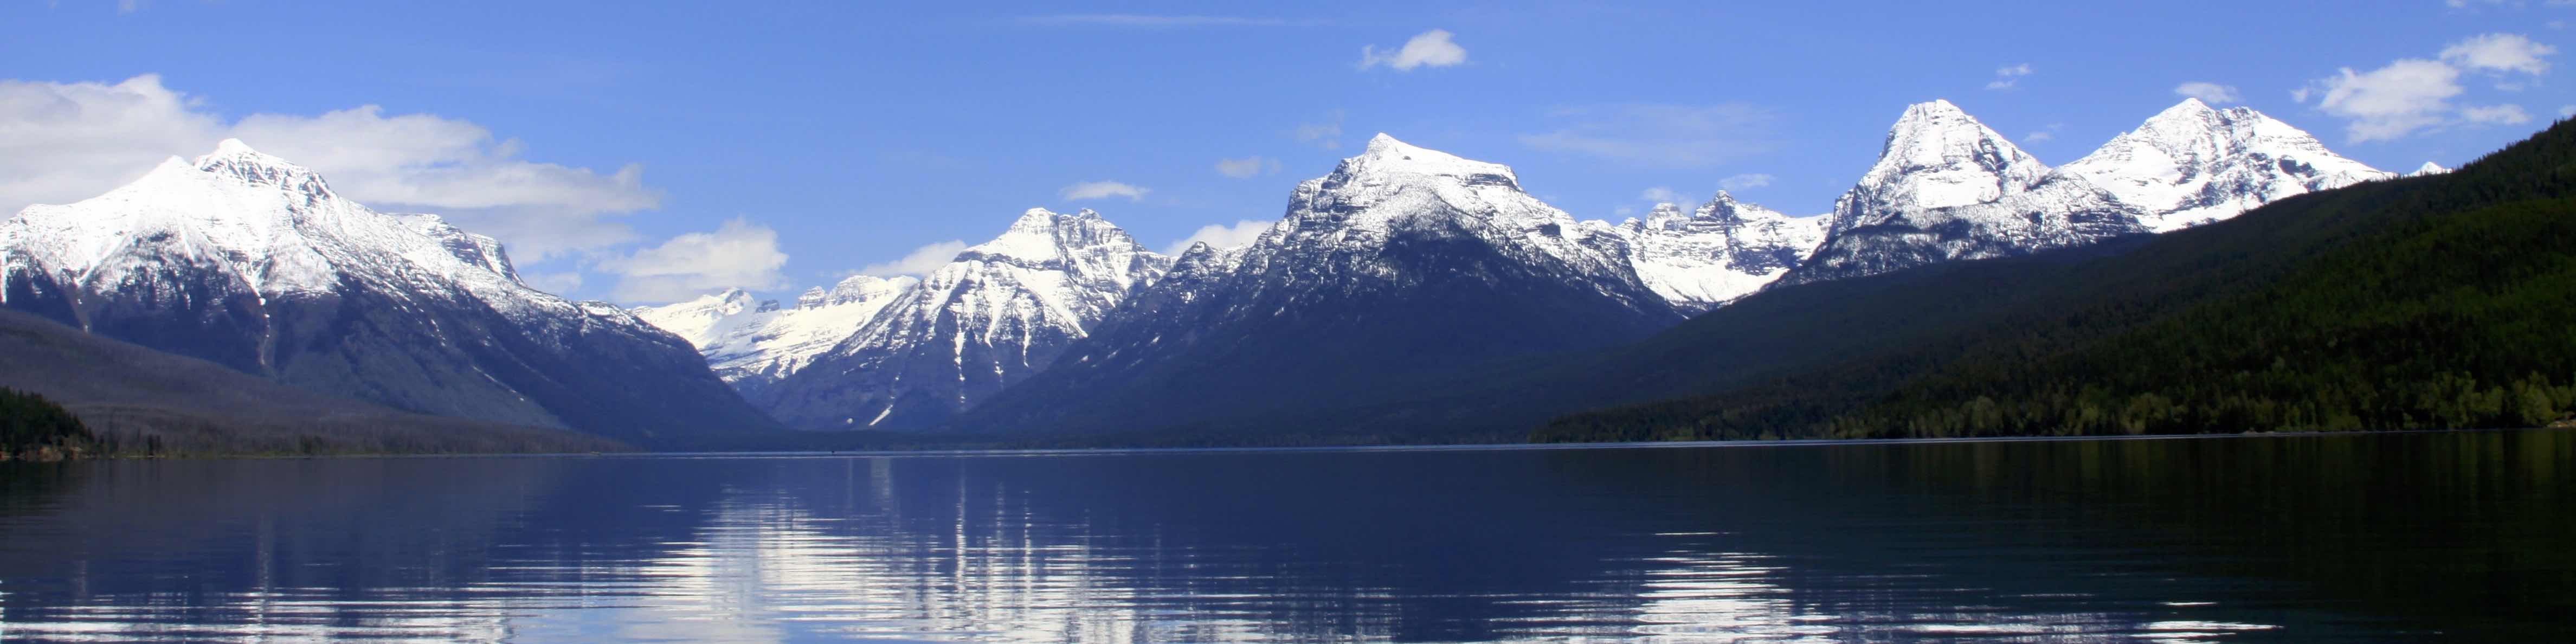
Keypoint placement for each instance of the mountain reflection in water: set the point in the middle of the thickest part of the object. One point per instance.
(2365, 536)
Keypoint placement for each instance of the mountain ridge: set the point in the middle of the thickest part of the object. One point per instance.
(253, 262)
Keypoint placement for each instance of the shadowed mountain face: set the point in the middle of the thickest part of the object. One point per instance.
(1403, 260)
(140, 398)
(251, 262)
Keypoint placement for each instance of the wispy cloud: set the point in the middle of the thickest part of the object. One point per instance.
(921, 261)
(1146, 21)
(2506, 114)
(1326, 135)
(1246, 167)
(2499, 53)
(2043, 135)
(1660, 135)
(1102, 190)
(1222, 236)
(737, 254)
(1432, 48)
(2207, 92)
(1745, 181)
(2008, 76)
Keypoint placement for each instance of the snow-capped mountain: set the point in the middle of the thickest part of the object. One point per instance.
(1726, 250)
(2429, 168)
(2191, 165)
(1935, 157)
(1948, 188)
(754, 344)
(252, 262)
(1402, 259)
(1000, 312)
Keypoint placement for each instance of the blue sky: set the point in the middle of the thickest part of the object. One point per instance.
(783, 145)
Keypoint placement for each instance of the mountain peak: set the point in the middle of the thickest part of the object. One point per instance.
(2429, 168)
(2193, 116)
(235, 151)
(229, 147)
(2193, 164)
(1663, 212)
(1041, 219)
(1938, 117)
(233, 158)
(1935, 108)
(1387, 156)
(1937, 156)
(2188, 106)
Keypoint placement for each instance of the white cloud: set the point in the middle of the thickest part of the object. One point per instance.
(1221, 236)
(2499, 53)
(1428, 49)
(1157, 22)
(1246, 167)
(1660, 194)
(1745, 181)
(1326, 135)
(2009, 75)
(62, 142)
(2041, 136)
(2507, 114)
(1660, 135)
(1102, 190)
(2414, 95)
(2566, 111)
(2211, 93)
(738, 254)
(2392, 101)
(921, 261)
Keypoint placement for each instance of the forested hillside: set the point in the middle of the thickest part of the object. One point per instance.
(2445, 301)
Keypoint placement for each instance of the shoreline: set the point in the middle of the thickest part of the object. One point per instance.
(1442, 447)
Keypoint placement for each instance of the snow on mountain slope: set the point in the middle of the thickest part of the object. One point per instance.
(998, 313)
(752, 345)
(1725, 250)
(1927, 199)
(1946, 187)
(2191, 164)
(2429, 168)
(252, 262)
(1936, 157)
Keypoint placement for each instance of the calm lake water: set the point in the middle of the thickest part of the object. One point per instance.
(2374, 537)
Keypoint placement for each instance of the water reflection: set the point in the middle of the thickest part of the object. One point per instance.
(2184, 540)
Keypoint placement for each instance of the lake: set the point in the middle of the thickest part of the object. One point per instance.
(2361, 537)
